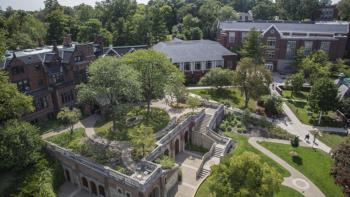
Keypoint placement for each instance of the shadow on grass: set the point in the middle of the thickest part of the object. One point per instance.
(298, 160)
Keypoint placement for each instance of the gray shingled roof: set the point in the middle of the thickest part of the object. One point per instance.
(286, 27)
(194, 50)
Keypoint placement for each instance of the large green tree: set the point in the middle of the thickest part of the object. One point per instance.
(253, 47)
(296, 82)
(245, 175)
(252, 79)
(57, 23)
(265, 10)
(343, 8)
(111, 82)
(227, 13)
(298, 9)
(155, 69)
(13, 104)
(323, 96)
(208, 13)
(19, 145)
(69, 117)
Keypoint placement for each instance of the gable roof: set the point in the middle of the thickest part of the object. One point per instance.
(342, 28)
(193, 50)
(122, 50)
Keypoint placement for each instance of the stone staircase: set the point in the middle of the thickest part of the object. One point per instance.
(204, 173)
(204, 123)
(218, 151)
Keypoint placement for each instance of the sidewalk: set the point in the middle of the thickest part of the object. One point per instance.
(297, 180)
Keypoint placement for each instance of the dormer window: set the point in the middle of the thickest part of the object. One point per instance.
(78, 58)
(23, 85)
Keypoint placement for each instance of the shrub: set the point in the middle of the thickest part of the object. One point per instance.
(166, 162)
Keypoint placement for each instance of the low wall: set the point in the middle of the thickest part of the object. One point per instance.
(199, 139)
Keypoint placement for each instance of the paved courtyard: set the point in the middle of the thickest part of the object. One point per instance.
(189, 163)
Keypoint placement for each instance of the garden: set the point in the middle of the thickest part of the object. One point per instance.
(131, 119)
(78, 143)
(313, 163)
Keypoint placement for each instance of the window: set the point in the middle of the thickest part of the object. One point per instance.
(67, 97)
(198, 66)
(220, 63)
(40, 82)
(231, 37)
(291, 47)
(78, 58)
(325, 46)
(244, 35)
(208, 65)
(187, 66)
(270, 54)
(17, 70)
(58, 77)
(23, 85)
(308, 47)
(85, 183)
(41, 103)
(271, 42)
(127, 194)
(37, 67)
(101, 190)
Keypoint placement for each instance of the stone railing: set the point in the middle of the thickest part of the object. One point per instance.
(108, 172)
(168, 128)
(205, 158)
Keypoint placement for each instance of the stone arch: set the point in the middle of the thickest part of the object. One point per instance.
(93, 188)
(84, 182)
(186, 137)
(155, 192)
(68, 178)
(166, 152)
(177, 146)
(101, 190)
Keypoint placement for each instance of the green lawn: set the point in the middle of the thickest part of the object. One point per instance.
(332, 140)
(49, 125)
(300, 96)
(243, 146)
(315, 164)
(302, 111)
(231, 96)
(69, 141)
(157, 121)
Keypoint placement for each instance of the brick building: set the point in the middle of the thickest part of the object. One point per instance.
(49, 74)
(283, 39)
(196, 57)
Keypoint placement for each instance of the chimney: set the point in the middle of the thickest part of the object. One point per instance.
(67, 41)
(54, 48)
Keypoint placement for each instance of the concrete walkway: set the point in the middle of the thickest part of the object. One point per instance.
(297, 180)
(189, 163)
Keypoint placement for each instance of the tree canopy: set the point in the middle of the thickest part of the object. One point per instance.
(343, 8)
(341, 168)
(142, 139)
(218, 78)
(244, 175)
(253, 47)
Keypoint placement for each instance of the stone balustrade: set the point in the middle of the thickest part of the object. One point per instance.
(205, 158)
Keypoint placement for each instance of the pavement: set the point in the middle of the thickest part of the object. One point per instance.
(189, 163)
(297, 180)
(70, 190)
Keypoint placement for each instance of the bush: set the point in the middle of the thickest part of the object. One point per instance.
(166, 162)
(273, 105)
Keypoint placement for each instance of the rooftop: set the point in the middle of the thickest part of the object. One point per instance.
(192, 50)
(318, 27)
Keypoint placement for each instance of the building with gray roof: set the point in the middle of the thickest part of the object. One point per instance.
(282, 39)
(196, 57)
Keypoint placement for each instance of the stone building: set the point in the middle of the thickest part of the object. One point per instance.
(196, 57)
(282, 39)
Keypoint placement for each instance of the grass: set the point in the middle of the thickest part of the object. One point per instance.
(314, 164)
(241, 147)
(302, 95)
(49, 125)
(69, 141)
(331, 139)
(158, 120)
(303, 111)
(230, 96)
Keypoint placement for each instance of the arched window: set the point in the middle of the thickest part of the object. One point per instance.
(85, 183)
(101, 190)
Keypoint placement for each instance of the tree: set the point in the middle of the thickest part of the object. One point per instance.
(295, 142)
(89, 30)
(265, 10)
(13, 103)
(196, 33)
(296, 81)
(244, 175)
(217, 77)
(341, 168)
(345, 107)
(273, 105)
(323, 96)
(154, 71)
(193, 102)
(175, 87)
(253, 47)
(84, 12)
(343, 8)
(297, 9)
(111, 81)
(253, 80)
(69, 117)
(2, 44)
(20, 144)
(208, 13)
(227, 13)
(142, 139)
(57, 23)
